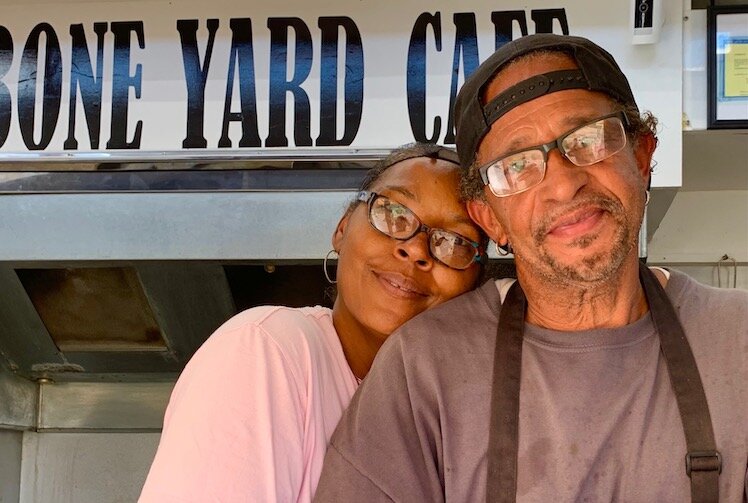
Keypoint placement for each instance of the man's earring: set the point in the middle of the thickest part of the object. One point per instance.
(503, 251)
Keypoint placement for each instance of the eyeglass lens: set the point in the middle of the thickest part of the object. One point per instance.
(583, 146)
(399, 222)
(594, 142)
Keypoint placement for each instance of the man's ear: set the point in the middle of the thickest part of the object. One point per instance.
(482, 214)
(339, 233)
(643, 152)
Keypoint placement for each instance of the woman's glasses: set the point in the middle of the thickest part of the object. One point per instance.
(399, 222)
(585, 145)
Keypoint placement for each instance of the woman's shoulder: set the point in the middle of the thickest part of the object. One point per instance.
(268, 318)
(296, 336)
(277, 325)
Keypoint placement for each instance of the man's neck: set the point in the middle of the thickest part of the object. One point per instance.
(574, 306)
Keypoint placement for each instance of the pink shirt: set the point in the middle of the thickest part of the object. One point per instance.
(250, 417)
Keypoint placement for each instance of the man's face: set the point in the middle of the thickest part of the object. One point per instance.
(580, 223)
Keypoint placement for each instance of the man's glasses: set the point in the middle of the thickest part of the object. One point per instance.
(584, 145)
(399, 222)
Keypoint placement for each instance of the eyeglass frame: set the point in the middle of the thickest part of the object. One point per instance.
(546, 148)
(369, 196)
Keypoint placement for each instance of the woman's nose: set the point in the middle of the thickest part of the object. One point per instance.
(416, 249)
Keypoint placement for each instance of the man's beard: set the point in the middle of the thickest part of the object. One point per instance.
(593, 268)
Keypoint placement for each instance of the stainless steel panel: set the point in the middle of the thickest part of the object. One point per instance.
(85, 467)
(10, 466)
(194, 226)
(189, 302)
(41, 161)
(180, 181)
(103, 406)
(24, 340)
(17, 402)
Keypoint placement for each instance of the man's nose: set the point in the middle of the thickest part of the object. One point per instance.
(563, 179)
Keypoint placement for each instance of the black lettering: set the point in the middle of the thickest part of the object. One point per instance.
(6, 104)
(122, 81)
(52, 78)
(353, 81)
(82, 77)
(242, 56)
(466, 49)
(416, 76)
(502, 22)
(280, 85)
(195, 77)
(544, 20)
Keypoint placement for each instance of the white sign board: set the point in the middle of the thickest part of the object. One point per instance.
(84, 78)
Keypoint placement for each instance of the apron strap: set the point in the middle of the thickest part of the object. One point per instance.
(503, 436)
(703, 461)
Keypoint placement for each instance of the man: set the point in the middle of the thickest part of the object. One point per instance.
(578, 384)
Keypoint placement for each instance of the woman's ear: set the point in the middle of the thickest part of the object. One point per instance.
(483, 215)
(339, 234)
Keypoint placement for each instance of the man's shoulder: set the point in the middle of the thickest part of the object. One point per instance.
(715, 320)
(465, 321)
(479, 302)
(687, 294)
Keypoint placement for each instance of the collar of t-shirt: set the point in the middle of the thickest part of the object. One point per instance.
(503, 284)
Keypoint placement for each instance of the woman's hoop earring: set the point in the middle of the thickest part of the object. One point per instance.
(503, 252)
(324, 266)
(646, 200)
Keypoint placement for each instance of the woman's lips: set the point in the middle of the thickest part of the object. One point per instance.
(400, 286)
(577, 223)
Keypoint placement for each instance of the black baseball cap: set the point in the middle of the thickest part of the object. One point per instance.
(597, 71)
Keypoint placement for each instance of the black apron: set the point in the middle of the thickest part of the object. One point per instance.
(703, 462)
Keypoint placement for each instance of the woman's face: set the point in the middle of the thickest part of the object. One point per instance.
(383, 282)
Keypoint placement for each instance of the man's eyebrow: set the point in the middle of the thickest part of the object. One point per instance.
(571, 122)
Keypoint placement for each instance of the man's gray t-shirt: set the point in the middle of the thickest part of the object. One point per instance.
(598, 418)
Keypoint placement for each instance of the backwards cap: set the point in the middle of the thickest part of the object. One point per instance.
(597, 71)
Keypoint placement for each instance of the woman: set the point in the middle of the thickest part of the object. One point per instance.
(251, 415)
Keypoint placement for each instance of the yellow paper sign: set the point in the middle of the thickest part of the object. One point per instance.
(736, 70)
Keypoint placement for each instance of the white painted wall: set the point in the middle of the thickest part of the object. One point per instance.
(700, 228)
(694, 68)
(709, 275)
(85, 467)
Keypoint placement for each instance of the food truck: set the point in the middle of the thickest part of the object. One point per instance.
(165, 164)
